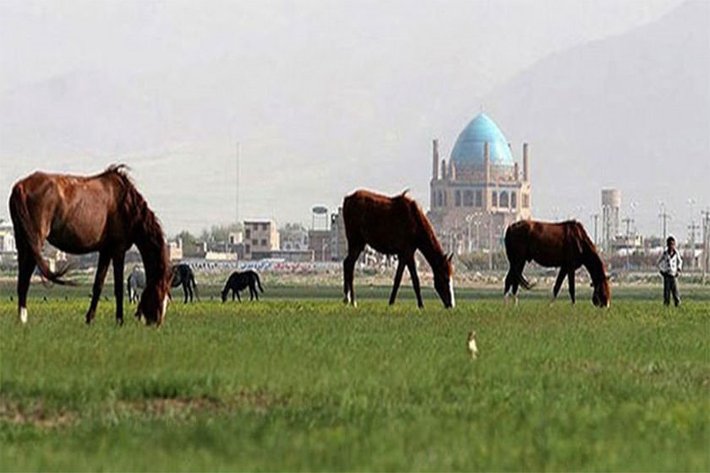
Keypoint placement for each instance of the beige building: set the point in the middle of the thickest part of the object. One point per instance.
(261, 238)
(480, 190)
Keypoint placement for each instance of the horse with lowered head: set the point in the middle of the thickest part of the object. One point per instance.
(185, 277)
(82, 214)
(394, 226)
(565, 245)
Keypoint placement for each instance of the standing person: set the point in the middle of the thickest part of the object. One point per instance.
(670, 264)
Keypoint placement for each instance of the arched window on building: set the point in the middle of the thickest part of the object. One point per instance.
(457, 196)
(468, 198)
(513, 200)
(494, 199)
(479, 198)
(503, 200)
(526, 201)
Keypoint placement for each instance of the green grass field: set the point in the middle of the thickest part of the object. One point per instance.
(301, 382)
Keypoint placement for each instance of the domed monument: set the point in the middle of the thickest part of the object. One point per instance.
(480, 190)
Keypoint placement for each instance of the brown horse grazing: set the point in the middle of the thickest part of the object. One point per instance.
(394, 226)
(78, 214)
(565, 245)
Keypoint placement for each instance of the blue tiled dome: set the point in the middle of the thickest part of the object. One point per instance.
(468, 149)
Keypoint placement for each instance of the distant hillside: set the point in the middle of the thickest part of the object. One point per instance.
(631, 111)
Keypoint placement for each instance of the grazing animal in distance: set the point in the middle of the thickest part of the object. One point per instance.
(471, 345)
(135, 283)
(185, 277)
(394, 226)
(81, 214)
(238, 281)
(565, 245)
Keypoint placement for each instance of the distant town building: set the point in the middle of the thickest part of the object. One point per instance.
(175, 250)
(7, 237)
(480, 190)
(261, 238)
(338, 240)
(328, 242)
(293, 236)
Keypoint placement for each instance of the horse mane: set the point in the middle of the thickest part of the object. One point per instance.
(589, 253)
(424, 224)
(146, 228)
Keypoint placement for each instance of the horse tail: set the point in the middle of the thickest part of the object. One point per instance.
(26, 231)
(527, 285)
(258, 281)
(194, 284)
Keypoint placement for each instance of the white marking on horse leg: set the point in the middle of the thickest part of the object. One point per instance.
(451, 292)
(23, 315)
(165, 307)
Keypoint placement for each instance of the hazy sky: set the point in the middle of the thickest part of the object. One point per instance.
(321, 81)
(39, 40)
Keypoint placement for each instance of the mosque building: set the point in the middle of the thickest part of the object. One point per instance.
(479, 190)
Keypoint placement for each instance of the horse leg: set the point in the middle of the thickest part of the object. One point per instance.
(397, 280)
(118, 261)
(184, 291)
(349, 271)
(101, 270)
(509, 278)
(558, 283)
(570, 283)
(256, 293)
(238, 296)
(26, 268)
(189, 289)
(412, 266)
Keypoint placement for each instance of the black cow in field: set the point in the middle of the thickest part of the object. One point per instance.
(241, 280)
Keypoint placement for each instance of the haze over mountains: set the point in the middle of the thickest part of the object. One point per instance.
(630, 111)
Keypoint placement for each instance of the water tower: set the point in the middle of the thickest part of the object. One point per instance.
(611, 203)
(319, 218)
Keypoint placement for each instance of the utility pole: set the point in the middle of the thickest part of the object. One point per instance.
(490, 241)
(691, 237)
(664, 216)
(596, 222)
(706, 242)
(236, 189)
(628, 221)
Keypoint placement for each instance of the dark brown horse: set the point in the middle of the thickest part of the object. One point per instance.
(78, 214)
(565, 245)
(394, 226)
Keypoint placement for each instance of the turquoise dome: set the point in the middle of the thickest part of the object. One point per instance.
(468, 149)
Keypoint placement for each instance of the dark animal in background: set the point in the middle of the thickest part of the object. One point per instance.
(241, 280)
(80, 214)
(185, 277)
(565, 245)
(135, 283)
(394, 226)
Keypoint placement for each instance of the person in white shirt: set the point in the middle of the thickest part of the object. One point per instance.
(670, 264)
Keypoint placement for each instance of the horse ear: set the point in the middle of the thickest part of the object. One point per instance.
(450, 257)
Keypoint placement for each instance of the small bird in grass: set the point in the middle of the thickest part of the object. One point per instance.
(471, 344)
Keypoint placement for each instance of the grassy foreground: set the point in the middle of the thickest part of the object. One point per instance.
(314, 385)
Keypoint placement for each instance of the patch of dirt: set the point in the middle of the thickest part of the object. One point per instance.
(185, 406)
(36, 415)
